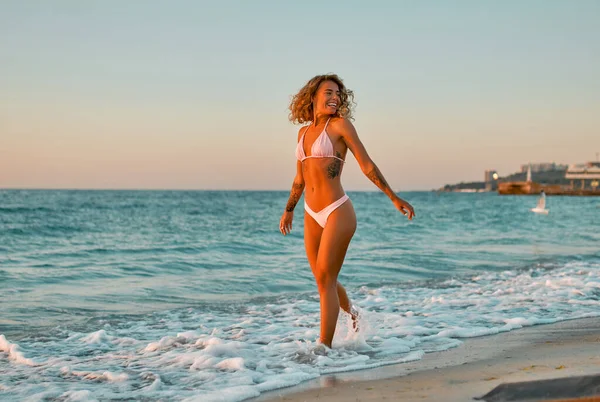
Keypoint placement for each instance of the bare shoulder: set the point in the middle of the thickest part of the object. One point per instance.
(301, 131)
(342, 127)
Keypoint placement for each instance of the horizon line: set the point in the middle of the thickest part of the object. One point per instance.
(184, 189)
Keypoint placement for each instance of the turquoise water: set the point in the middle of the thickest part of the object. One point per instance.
(196, 294)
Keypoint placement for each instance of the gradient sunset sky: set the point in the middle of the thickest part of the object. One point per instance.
(194, 94)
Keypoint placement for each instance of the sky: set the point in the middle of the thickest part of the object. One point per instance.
(194, 94)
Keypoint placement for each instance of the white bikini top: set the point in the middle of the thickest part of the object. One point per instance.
(321, 148)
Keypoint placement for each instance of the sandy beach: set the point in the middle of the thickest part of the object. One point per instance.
(565, 349)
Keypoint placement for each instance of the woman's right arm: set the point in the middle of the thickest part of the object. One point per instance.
(297, 189)
(285, 225)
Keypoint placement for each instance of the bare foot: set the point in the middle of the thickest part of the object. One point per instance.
(355, 315)
(320, 350)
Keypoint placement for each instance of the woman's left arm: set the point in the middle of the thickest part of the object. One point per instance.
(368, 167)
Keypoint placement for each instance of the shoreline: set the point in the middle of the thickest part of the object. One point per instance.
(564, 349)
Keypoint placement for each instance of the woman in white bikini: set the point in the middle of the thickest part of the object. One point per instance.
(325, 103)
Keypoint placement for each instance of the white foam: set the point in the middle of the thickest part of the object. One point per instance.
(395, 346)
(96, 337)
(519, 322)
(284, 380)
(234, 363)
(165, 342)
(76, 396)
(14, 352)
(156, 384)
(233, 353)
(98, 376)
(468, 332)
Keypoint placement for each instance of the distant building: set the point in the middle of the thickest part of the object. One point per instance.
(490, 177)
(543, 167)
(588, 173)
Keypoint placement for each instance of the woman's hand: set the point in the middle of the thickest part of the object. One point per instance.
(404, 207)
(285, 224)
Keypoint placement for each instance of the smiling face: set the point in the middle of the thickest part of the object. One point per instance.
(321, 97)
(327, 99)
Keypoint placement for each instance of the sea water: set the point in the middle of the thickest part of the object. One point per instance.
(196, 296)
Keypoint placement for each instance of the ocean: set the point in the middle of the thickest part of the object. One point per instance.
(196, 296)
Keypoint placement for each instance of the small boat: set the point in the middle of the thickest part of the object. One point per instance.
(541, 205)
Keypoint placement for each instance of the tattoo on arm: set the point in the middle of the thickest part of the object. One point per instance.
(376, 177)
(295, 195)
(335, 167)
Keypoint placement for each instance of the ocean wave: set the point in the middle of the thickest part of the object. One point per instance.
(270, 342)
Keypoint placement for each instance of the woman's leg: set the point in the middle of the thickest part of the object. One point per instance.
(335, 239)
(312, 238)
(343, 297)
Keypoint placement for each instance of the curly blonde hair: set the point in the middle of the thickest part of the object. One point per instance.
(301, 107)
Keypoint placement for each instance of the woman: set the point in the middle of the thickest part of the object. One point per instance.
(325, 103)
